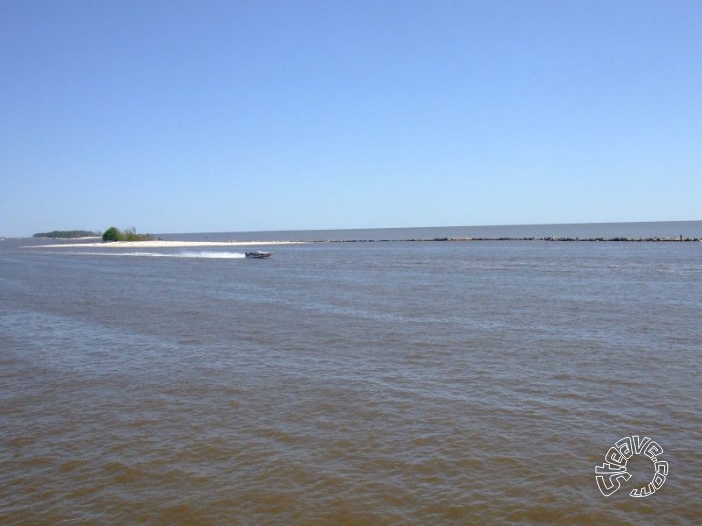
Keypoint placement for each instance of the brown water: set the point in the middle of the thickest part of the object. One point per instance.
(402, 383)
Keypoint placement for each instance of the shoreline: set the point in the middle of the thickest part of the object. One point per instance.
(166, 244)
(195, 244)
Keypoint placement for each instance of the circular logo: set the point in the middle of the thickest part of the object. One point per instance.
(609, 474)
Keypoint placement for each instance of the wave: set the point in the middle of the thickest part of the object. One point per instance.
(202, 254)
(208, 254)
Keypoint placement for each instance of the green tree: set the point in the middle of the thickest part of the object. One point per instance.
(112, 234)
(129, 234)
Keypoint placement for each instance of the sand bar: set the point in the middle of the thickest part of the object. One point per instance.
(167, 244)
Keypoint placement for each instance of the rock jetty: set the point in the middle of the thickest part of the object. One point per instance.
(547, 238)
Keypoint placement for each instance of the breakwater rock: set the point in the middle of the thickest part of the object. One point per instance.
(547, 238)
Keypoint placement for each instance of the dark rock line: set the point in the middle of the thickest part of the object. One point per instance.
(547, 238)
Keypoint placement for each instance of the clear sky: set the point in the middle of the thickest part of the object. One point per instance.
(194, 116)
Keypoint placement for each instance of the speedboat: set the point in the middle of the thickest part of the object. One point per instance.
(258, 254)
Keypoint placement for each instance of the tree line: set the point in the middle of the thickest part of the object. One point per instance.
(130, 234)
(67, 234)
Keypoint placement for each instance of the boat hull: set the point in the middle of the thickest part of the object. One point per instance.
(258, 254)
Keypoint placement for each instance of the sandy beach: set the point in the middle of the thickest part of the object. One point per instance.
(167, 244)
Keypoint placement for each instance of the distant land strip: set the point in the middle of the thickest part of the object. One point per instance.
(67, 234)
(547, 238)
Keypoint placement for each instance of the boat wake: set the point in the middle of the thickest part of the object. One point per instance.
(204, 254)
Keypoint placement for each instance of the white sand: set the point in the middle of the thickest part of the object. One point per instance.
(167, 244)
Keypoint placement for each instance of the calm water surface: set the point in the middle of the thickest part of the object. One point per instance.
(364, 383)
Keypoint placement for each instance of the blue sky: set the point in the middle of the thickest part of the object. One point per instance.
(201, 116)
